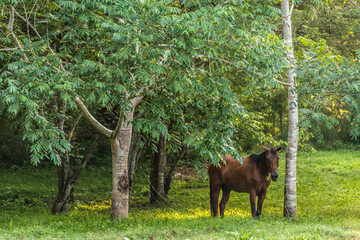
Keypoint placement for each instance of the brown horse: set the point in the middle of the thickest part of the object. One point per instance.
(249, 177)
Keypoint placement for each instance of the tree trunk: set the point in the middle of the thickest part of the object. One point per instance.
(273, 119)
(120, 146)
(65, 189)
(120, 140)
(157, 177)
(281, 119)
(169, 175)
(67, 181)
(134, 155)
(290, 204)
(132, 161)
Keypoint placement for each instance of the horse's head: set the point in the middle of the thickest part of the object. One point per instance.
(272, 157)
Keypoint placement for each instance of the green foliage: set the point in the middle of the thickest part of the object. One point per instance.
(182, 57)
(329, 86)
(326, 50)
(337, 22)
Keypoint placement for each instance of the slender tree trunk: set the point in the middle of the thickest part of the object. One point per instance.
(169, 175)
(273, 119)
(66, 180)
(158, 172)
(162, 166)
(133, 157)
(281, 119)
(290, 204)
(65, 189)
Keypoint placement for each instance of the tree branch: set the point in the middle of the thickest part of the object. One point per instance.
(101, 128)
(135, 101)
(73, 129)
(16, 41)
(224, 60)
(354, 3)
(118, 126)
(37, 33)
(85, 160)
(282, 83)
(291, 9)
(8, 49)
(32, 9)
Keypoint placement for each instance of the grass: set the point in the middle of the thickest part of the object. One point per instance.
(328, 206)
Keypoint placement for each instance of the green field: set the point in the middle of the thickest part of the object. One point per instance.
(328, 206)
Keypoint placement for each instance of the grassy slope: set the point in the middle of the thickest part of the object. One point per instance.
(328, 206)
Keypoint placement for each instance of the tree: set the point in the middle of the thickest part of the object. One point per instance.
(93, 57)
(290, 204)
(173, 61)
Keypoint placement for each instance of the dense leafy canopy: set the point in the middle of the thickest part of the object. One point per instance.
(207, 70)
(182, 56)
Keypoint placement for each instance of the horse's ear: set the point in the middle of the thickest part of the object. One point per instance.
(265, 148)
(278, 149)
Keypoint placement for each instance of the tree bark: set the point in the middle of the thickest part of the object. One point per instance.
(65, 189)
(120, 146)
(290, 203)
(158, 172)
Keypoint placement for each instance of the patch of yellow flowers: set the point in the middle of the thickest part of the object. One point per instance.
(93, 206)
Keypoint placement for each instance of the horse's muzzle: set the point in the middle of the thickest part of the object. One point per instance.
(274, 176)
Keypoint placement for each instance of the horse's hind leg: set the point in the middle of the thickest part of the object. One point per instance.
(214, 199)
(215, 185)
(224, 199)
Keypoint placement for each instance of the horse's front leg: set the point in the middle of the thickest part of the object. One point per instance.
(252, 194)
(261, 198)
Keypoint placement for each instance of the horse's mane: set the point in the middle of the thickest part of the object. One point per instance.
(258, 159)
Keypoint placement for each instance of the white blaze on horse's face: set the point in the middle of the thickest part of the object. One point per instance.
(272, 156)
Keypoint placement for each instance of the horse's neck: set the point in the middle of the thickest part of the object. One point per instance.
(263, 166)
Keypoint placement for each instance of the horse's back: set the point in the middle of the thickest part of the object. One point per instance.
(232, 174)
(214, 170)
(218, 173)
